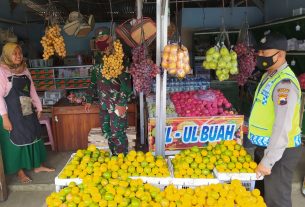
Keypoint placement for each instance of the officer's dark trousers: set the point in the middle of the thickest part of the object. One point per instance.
(276, 187)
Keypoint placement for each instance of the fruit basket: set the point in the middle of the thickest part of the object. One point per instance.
(95, 162)
(61, 183)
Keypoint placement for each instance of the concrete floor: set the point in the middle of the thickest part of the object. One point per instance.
(34, 194)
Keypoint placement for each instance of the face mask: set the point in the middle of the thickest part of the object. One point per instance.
(263, 63)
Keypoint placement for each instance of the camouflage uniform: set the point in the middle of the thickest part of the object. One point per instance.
(111, 93)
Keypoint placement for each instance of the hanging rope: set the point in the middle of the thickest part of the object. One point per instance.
(223, 13)
(177, 27)
(247, 25)
(111, 14)
(246, 12)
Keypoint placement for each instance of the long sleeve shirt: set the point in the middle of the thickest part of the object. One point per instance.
(112, 92)
(283, 120)
(5, 87)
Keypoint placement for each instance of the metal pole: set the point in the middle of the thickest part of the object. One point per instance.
(158, 79)
(162, 23)
(139, 8)
(141, 95)
(158, 142)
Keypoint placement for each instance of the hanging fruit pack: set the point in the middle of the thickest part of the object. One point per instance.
(222, 60)
(143, 70)
(246, 61)
(53, 42)
(113, 63)
(175, 59)
(246, 54)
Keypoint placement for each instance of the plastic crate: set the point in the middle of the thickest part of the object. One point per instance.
(163, 181)
(188, 182)
(249, 185)
(192, 182)
(235, 176)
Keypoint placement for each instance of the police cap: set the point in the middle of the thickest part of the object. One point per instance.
(273, 41)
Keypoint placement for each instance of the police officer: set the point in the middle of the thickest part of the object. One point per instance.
(274, 121)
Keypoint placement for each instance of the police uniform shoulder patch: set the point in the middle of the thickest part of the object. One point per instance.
(282, 96)
(282, 99)
(283, 90)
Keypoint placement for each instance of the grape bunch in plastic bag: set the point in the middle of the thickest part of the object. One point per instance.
(143, 70)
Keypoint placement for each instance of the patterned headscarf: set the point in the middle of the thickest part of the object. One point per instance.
(6, 58)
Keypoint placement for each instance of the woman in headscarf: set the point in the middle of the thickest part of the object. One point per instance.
(21, 145)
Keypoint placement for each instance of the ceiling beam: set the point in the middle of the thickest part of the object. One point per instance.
(32, 5)
(259, 4)
(8, 21)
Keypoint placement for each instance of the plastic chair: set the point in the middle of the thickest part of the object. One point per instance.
(46, 121)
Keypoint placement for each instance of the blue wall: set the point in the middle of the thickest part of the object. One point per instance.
(18, 14)
(210, 18)
(75, 45)
(33, 33)
(276, 9)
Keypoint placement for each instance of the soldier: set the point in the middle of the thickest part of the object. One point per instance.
(274, 121)
(113, 96)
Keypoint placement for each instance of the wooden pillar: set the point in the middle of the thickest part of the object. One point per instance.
(3, 189)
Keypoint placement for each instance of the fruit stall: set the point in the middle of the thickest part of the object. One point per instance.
(187, 117)
(210, 165)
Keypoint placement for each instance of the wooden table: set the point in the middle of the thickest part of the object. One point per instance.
(71, 124)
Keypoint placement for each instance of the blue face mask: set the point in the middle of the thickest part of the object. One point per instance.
(263, 63)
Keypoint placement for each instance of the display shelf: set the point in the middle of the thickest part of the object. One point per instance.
(85, 77)
(296, 53)
(61, 67)
(68, 88)
(62, 77)
(42, 79)
(199, 58)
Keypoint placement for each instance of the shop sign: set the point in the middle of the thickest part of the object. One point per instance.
(185, 132)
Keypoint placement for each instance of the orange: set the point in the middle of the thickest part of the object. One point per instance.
(226, 159)
(213, 159)
(238, 165)
(159, 163)
(204, 152)
(253, 165)
(231, 165)
(235, 153)
(242, 152)
(246, 165)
